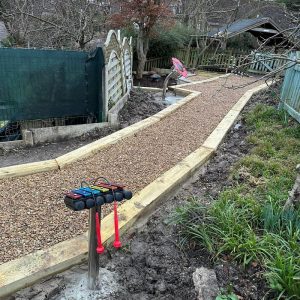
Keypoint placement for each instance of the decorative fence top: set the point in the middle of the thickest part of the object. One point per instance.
(118, 70)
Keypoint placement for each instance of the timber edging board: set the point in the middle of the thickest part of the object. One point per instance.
(25, 271)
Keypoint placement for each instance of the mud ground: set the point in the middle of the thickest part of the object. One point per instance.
(151, 265)
(140, 105)
(147, 81)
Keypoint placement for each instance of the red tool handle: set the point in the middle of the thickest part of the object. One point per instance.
(117, 243)
(100, 248)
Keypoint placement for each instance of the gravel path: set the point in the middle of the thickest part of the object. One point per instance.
(33, 213)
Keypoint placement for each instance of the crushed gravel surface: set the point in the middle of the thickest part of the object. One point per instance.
(197, 78)
(33, 213)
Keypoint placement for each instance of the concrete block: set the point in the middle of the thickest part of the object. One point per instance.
(57, 133)
(27, 137)
(206, 284)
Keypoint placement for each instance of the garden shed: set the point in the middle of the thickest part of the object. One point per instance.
(261, 28)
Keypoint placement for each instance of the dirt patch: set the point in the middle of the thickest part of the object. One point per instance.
(50, 150)
(149, 82)
(140, 105)
(152, 265)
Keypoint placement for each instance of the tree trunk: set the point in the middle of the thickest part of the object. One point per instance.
(81, 41)
(142, 50)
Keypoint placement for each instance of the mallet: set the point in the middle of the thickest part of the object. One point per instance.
(117, 243)
(100, 248)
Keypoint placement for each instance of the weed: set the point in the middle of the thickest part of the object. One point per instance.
(283, 274)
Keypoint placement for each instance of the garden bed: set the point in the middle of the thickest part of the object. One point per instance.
(154, 263)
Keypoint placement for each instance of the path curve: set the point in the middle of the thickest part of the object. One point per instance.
(33, 214)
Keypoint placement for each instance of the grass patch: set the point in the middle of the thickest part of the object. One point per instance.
(247, 223)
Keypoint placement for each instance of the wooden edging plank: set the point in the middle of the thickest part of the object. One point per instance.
(25, 271)
(27, 169)
(216, 137)
(203, 81)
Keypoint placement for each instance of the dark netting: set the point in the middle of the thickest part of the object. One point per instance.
(47, 84)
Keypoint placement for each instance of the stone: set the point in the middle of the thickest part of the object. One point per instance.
(155, 77)
(237, 126)
(206, 284)
(161, 287)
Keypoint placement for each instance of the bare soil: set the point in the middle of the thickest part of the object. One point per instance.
(136, 161)
(151, 265)
(139, 106)
(149, 82)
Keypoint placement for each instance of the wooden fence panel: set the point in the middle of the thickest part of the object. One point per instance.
(290, 93)
(161, 62)
(227, 59)
(264, 63)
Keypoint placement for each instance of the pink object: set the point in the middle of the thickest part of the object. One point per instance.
(117, 244)
(100, 248)
(179, 67)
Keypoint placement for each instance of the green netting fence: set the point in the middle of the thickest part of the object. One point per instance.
(50, 84)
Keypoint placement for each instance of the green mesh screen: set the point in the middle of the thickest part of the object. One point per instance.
(42, 84)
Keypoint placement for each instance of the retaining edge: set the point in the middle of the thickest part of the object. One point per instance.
(113, 138)
(27, 169)
(216, 137)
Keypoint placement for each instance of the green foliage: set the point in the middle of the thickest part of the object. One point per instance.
(284, 274)
(244, 41)
(227, 297)
(247, 223)
(8, 42)
(165, 42)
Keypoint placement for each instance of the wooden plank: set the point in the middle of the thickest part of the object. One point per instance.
(290, 93)
(28, 169)
(292, 112)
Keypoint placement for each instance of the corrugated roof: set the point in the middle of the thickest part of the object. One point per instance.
(240, 26)
(3, 31)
